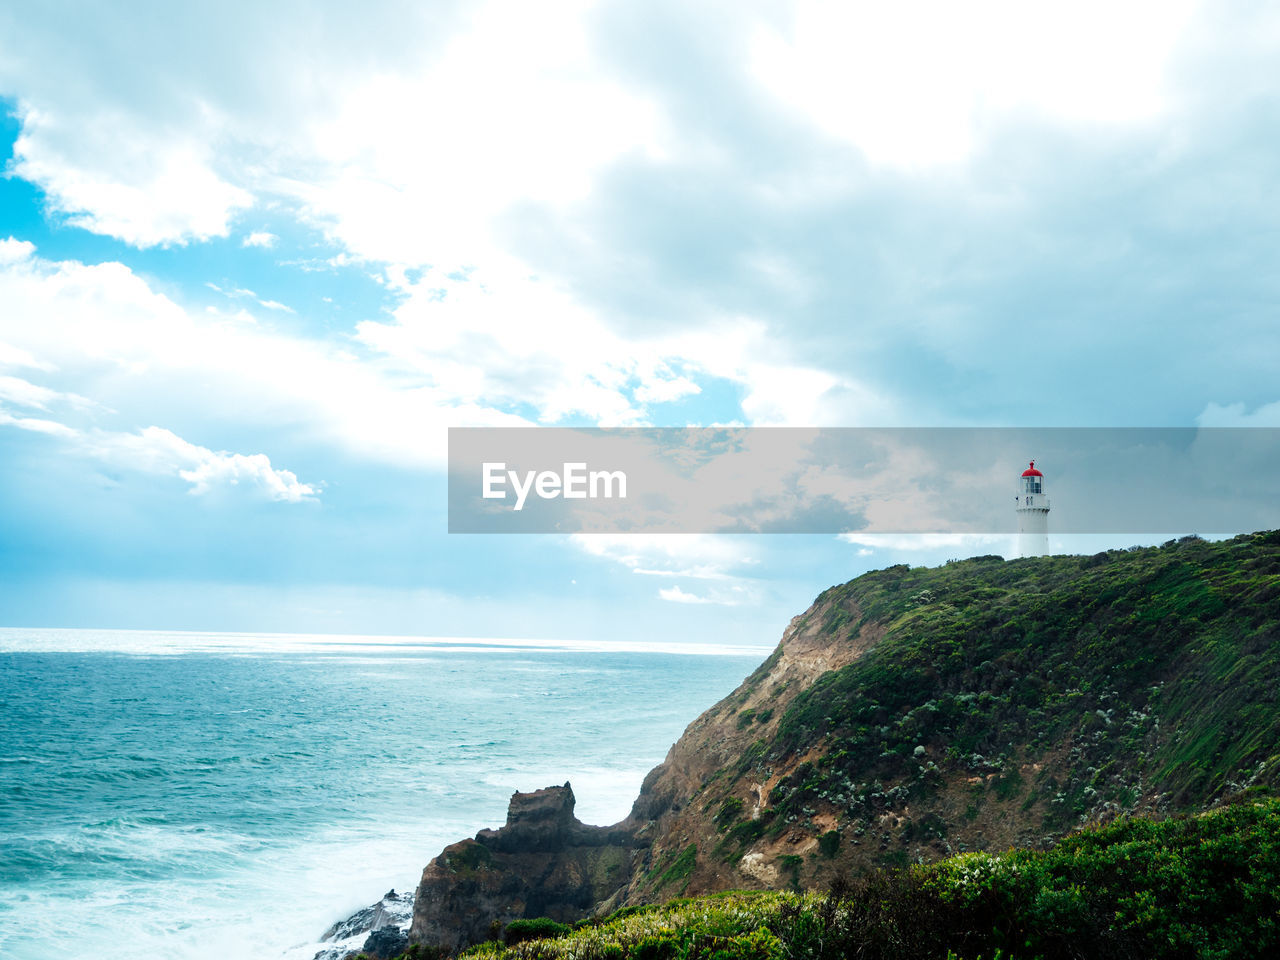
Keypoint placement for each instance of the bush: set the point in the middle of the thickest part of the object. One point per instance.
(829, 843)
(518, 931)
(1192, 888)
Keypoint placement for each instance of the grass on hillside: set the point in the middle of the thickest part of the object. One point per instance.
(1155, 668)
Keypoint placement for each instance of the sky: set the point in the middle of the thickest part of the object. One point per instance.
(255, 259)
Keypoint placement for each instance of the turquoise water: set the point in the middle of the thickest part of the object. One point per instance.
(205, 795)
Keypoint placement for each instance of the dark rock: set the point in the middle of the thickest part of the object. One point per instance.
(394, 909)
(542, 820)
(543, 863)
(391, 914)
(386, 942)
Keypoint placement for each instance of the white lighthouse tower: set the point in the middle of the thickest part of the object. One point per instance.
(1033, 514)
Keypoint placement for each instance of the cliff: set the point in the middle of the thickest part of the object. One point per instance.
(543, 863)
(917, 712)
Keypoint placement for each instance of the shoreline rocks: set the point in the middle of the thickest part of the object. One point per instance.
(384, 926)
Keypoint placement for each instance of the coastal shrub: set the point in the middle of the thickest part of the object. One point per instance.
(730, 810)
(631, 911)
(681, 869)
(423, 951)
(657, 947)
(759, 944)
(469, 859)
(829, 843)
(518, 931)
(1204, 887)
(739, 837)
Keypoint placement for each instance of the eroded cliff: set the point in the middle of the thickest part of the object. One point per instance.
(543, 862)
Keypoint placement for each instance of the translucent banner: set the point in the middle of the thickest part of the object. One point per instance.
(869, 480)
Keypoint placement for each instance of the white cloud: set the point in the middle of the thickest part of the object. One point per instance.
(676, 595)
(735, 595)
(921, 84)
(666, 391)
(716, 562)
(145, 193)
(373, 151)
(13, 250)
(151, 450)
(260, 238)
(34, 396)
(400, 174)
(403, 136)
(11, 356)
(26, 394)
(419, 165)
(500, 337)
(790, 395)
(116, 341)
(156, 450)
(1238, 415)
(702, 556)
(242, 293)
(37, 425)
(1005, 544)
(159, 451)
(416, 142)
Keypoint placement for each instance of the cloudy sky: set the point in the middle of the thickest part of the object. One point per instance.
(255, 258)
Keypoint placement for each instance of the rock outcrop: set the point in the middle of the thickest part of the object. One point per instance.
(543, 863)
(385, 943)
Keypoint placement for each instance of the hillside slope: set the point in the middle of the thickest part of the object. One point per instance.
(914, 713)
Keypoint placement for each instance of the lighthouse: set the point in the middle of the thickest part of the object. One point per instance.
(1033, 514)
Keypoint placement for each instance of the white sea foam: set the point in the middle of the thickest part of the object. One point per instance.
(197, 807)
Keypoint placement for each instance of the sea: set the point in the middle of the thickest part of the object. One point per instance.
(213, 795)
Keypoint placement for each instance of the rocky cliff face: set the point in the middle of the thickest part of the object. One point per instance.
(913, 713)
(707, 761)
(543, 863)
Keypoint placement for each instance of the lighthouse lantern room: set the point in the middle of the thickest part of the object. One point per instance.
(1033, 514)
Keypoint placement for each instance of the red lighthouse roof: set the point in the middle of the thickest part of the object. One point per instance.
(1031, 471)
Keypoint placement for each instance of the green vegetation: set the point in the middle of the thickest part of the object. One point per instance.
(518, 931)
(472, 857)
(1205, 886)
(732, 847)
(829, 843)
(1128, 673)
(676, 871)
(730, 812)
(790, 864)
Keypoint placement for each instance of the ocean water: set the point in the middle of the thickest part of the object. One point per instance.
(200, 796)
